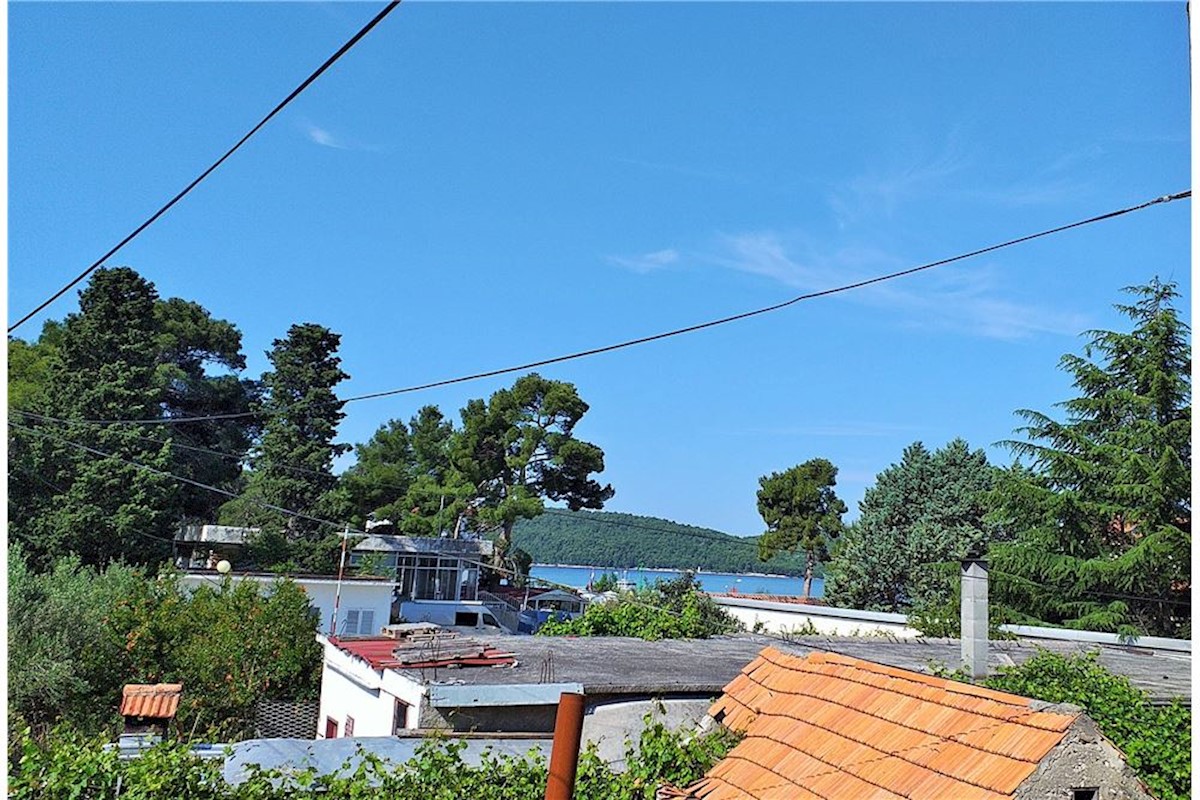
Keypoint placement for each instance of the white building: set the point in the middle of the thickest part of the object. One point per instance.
(365, 606)
(426, 568)
(427, 679)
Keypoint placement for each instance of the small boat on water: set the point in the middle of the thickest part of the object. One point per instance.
(624, 584)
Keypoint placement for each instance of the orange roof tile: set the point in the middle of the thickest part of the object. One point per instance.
(827, 725)
(158, 700)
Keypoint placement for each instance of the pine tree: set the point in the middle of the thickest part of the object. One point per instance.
(101, 507)
(923, 513)
(1103, 509)
(292, 466)
(519, 449)
(801, 512)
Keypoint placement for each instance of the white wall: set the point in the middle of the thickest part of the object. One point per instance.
(350, 687)
(785, 618)
(781, 618)
(375, 596)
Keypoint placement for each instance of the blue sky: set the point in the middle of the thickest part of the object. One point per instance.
(476, 186)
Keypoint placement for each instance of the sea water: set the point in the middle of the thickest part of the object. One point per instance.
(578, 577)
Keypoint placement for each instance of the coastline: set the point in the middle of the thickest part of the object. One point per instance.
(668, 569)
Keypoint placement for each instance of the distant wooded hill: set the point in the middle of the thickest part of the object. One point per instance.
(629, 541)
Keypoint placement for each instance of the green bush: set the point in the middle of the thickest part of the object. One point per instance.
(1156, 740)
(676, 609)
(67, 766)
(76, 636)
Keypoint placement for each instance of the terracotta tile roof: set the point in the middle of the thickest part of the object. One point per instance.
(158, 700)
(828, 725)
(387, 653)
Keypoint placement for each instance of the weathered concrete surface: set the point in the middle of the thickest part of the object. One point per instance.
(615, 665)
(1084, 759)
(610, 724)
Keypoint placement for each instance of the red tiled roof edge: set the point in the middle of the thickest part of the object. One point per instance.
(159, 700)
(755, 698)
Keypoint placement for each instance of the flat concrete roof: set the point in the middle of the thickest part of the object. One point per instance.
(613, 665)
(610, 665)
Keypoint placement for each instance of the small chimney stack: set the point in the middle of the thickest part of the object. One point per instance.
(975, 616)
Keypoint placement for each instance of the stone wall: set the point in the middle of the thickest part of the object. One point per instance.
(1084, 759)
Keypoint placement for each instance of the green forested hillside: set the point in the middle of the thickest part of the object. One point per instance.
(605, 539)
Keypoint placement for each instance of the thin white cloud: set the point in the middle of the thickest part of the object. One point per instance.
(647, 262)
(881, 191)
(320, 136)
(955, 174)
(964, 299)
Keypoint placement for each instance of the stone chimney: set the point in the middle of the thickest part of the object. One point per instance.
(975, 616)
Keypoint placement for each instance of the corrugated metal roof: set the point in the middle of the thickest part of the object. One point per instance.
(827, 725)
(157, 700)
(388, 653)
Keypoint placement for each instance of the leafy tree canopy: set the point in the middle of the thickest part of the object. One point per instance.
(76, 635)
(1156, 740)
(519, 449)
(292, 463)
(71, 499)
(512, 453)
(127, 354)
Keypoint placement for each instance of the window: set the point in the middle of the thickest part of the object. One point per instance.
(359, 622)
(331, 728)
(1092, 793)
(469, 619)
(349, 725)
(400, 720)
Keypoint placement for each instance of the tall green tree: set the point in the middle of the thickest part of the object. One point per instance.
(198, 364)
(1103, 510)
(381, 475)
(518, 449)
(292, 464)
(801, 512)
(921, 517)
(403, 474)
(86, 492)
(195, 363)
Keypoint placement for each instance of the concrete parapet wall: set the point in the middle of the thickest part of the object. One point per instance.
(785, 618)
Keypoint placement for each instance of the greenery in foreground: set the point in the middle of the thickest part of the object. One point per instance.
(1156, 740)
(71, 766)
(631, 541)
(675, 609)
(76, 636)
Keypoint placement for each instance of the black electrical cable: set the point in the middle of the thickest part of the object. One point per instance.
(295, 92)
(666, 334)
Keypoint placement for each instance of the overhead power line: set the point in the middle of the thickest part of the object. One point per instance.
(714, 536)
(343, 526)
(666, 334)
(154, 217)
(154, 470)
